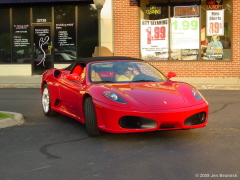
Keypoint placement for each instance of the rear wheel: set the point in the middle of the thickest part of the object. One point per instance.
(90, 118)
(46, 102)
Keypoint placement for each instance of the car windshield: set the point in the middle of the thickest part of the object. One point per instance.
(124, 71)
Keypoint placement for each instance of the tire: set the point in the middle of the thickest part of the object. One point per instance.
(46, 102)
(90, 118)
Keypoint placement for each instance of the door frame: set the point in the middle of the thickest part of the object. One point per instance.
(32, 43)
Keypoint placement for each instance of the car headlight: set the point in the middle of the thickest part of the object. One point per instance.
(196, 94)
(114, 97)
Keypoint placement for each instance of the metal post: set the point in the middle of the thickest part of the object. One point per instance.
(99, 31)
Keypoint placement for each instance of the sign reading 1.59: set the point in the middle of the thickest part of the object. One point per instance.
(182, 24)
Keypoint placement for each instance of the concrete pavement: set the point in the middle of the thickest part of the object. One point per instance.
(232, 83)
(17, 119)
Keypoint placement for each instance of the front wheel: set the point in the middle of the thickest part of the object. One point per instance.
(46, 104)
(90, 118)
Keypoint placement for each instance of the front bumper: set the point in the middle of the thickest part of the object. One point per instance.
(129, 120)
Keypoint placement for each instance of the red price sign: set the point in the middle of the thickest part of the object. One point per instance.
(215, 27)
(159, 33)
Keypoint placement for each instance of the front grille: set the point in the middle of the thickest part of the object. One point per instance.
(166, 127)
(135, 122)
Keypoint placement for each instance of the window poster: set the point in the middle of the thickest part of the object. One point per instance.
(215, 22)
(154, 39)
(185, 33)
(65, 36)
(21, 42)
(184, 38)
(20, 38)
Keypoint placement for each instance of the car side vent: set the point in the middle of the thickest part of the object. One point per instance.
(57, 73)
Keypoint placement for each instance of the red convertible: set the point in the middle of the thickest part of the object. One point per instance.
(121, 95)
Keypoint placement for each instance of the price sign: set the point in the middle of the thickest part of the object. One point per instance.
(215, 22)
(154, 38)
(185, 33)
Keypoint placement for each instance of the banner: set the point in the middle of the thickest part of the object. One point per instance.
(154, 39)
(215, 22)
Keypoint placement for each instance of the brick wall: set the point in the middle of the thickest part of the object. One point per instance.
(126, 28)
(126, 43)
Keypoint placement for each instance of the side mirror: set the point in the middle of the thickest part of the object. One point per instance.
(171, 75)
(76, 78)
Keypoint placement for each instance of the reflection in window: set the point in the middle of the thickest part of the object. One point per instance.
(21, 35)
(87, 30)
(5, 56)
(65, 38)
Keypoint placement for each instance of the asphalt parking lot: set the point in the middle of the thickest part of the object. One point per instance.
(59, 147)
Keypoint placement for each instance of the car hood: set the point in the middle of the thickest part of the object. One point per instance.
(151, 94)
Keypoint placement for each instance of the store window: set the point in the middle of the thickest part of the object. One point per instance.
(42, 14)
(21, 35)
(65, 33)
(87, 30)
(186, 30)
(5, 47)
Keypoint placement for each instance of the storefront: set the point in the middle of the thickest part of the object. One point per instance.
(37, 36)
(191, 30)
(194, 38)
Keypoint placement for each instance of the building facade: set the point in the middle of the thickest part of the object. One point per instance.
(193, 38)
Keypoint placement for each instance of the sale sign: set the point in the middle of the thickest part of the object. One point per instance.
(184, 33)
(154, 39)
(215, 22)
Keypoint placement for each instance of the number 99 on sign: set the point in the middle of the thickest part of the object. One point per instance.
(159, 33)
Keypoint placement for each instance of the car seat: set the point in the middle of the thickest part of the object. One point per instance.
(77, 70)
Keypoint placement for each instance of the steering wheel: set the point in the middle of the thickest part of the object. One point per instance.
(139, 77)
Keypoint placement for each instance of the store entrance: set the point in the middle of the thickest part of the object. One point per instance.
(42, 55)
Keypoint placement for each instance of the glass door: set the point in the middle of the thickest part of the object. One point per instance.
(42, 49)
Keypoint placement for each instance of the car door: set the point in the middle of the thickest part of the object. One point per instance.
(70, 92)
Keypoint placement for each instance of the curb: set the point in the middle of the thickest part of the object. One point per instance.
(19, 85)
(8, 122)
(216, 87)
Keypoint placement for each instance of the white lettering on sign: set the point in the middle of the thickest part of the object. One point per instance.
(41, 20)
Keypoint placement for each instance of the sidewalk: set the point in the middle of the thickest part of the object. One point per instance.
(199, 83)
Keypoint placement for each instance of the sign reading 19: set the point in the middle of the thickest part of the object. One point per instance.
(185, 24)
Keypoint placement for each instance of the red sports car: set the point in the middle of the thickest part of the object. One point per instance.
(122, 95)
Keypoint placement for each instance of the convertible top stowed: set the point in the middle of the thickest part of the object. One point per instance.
(84, 61)
(118, 94)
